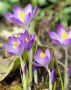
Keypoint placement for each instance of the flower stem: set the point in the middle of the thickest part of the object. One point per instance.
(66, 71)
(30, 65)
(35, 76)
(60, 75)
(23, 76)
(50, 83)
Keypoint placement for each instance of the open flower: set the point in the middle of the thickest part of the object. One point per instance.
(62, 36)
(14, 46)
(27, 40)
(43, 58)
(20, 17)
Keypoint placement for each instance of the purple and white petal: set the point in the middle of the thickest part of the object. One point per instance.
(28, 9)
(8, 16)
(17, 10)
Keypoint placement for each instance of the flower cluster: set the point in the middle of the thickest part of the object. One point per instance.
(17, 45)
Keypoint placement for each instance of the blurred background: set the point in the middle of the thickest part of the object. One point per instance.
(50, 14)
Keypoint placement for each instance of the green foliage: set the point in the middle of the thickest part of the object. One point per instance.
(53, 1)
(40, 3)
(4, 6)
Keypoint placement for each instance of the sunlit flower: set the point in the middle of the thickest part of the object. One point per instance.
(14, 46)
(62, 36)
(20, 17)
(27, 40)
(43, 58)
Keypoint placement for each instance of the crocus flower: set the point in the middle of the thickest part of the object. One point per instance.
(62, 36)
(20, 17)
(52, 75)
(27, 40)
(43, 58)
(14, 46)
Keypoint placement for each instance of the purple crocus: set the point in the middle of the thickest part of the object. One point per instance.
(20, 17)
(62, 36)
(27, 40)
(14, 46)
(43, 58)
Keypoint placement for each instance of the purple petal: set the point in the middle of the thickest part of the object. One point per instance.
(69, 35)
(30, 44)
(24, 35)
(56, 42)
(69, 71)
(44, 61)
(13, 39)
(47, 52)
(28, 9)
(35, 11)
(66, 42)
(60, 30)
(9, 16)
(8, 47)
(16, 21)
(55, 36)
(27, 19)
(17, 10)
(52, 75)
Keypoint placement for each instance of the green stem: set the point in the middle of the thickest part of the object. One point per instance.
(66, 71)
(60, 75)
(23, 76)
(30, 65)
(50, 83)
